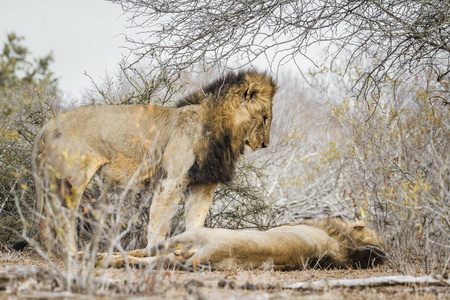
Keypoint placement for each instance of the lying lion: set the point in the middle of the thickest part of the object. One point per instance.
(317, 243)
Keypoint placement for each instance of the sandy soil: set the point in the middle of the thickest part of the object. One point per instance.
(233, 284)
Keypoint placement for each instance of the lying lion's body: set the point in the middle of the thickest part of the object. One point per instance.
(319, 243)
(187, 148)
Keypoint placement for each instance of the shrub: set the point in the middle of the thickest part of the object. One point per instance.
(396, 167)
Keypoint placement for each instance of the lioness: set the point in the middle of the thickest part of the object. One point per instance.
(316, 243)
(189, 148)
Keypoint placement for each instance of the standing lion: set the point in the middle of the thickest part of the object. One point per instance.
(189, 148)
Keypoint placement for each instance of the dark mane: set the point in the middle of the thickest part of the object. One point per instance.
(219, 163)
(215, 89)
(221, 143)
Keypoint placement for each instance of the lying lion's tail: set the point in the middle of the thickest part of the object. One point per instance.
(36, 155)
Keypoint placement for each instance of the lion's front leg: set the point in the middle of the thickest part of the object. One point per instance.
(166, 197)
(198, 202)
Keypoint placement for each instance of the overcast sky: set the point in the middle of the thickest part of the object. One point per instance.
(84, 35)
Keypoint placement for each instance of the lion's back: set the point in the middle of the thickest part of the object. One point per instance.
(100, 127)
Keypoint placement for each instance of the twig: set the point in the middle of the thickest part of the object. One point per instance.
(435, 280)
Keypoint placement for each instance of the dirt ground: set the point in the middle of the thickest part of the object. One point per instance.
(233, 284)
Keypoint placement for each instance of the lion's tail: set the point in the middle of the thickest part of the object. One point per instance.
(38, 177)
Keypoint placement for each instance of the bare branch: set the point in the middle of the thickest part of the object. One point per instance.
(399, 36)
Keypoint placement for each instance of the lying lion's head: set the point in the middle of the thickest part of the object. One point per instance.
(365, 247)
(361, 246)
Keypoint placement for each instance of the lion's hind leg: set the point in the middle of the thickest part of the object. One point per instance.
(153, 251)
(121, 261)
(62, 203)
(164, 259)
(174, 252)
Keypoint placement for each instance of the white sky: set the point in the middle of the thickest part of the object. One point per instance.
(84, 35)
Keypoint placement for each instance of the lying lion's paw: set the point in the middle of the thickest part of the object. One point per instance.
(115, 261)
(138, 253)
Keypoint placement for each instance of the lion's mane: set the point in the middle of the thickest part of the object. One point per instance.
(222, 142)
(359, 246)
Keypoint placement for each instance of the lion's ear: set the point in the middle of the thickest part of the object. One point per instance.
(359, 225)
(250, 93)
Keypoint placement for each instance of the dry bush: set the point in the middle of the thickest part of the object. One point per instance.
(23, 111)
(298, 185)
(402, 155)
(394, 168)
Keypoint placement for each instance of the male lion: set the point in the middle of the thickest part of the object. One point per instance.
(189, 148)
(316, 243)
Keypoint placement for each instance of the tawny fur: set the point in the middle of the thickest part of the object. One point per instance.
(319, 243)
(189, 148)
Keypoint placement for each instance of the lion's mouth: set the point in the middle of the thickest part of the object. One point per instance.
(247, 149)
(247, 145)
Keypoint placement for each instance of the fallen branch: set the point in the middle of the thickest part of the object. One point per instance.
(434, 280)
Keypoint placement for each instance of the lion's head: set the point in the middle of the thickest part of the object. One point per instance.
(361, 246)
(363, 236)
(238, 114)
(255, 112)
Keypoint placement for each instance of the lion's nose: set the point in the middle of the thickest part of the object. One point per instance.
(264, 145)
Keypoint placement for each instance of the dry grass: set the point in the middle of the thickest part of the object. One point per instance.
(238, 284)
